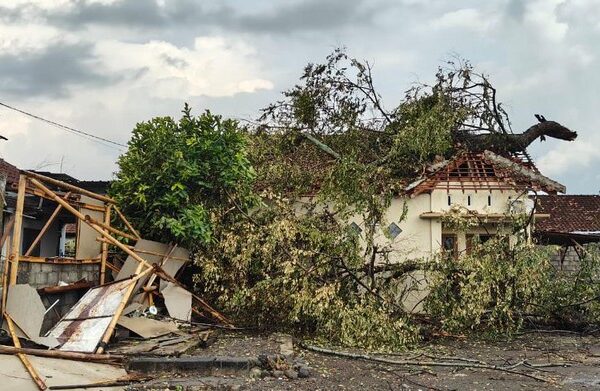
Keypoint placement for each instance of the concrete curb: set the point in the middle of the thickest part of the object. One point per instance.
(199, 364)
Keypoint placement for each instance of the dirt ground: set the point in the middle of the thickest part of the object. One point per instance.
(574, 361)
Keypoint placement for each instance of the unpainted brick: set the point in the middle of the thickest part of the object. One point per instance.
(53, 278)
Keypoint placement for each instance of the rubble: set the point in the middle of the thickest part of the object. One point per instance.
(128, 298)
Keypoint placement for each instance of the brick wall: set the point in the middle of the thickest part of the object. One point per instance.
(43, 274)
(570, 262)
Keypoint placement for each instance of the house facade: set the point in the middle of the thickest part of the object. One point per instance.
(484, 187)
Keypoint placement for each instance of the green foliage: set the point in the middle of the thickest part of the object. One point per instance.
(492, 289)
(284, 270)
(572, 299)
(176, 175)
(422, 131)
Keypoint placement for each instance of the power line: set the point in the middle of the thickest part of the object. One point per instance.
(65, 127)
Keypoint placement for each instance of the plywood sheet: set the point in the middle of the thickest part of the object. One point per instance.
(147, 328)
(82, 328)
(171, 266)
(87, 245)
(55, 372)
(178, 302)
(26, 309)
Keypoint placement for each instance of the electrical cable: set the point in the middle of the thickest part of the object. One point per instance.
(65, 127)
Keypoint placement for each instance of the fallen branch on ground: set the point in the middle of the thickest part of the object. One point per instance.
(424, 363)
(443, 358)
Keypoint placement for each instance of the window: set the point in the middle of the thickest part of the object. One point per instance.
(490, 200)
(355, 228)
(469, 200)
(485, 238)
(394, 230)
(449, 200)
(449, 245)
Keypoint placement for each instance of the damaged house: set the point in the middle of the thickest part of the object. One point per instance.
(482, 186)
(489, 183)
(75, 270)
(49, 235)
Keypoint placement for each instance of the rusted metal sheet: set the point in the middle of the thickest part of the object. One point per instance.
(82, 328)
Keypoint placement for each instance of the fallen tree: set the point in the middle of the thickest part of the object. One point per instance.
(266, 207)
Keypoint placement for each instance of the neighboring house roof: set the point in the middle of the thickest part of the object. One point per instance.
(483, 171)
(577, 214)
(71, 228)
(100, 187)
(11, 172)
(33, 205)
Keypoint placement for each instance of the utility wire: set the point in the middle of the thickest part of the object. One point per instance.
(65, 127)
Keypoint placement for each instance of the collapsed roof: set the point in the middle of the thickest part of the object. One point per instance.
(483, 171)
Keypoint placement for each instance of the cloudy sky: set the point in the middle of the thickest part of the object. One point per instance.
(103, 65)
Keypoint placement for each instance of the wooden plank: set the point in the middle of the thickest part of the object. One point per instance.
(140, 251)
(5, 269)
(59, 261)
(95, 208)
(68, 186)
(127, 223)
(7, 230)
(104, 245)
(16, 242)
(75, 356)
(66, 288)
(109, 228)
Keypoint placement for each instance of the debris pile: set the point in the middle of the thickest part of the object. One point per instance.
(139, 296)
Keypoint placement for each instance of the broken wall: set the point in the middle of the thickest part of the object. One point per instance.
(42, 275)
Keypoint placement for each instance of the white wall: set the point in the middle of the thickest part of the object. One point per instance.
(422, 237)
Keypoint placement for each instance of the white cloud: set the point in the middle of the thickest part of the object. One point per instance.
(578, 155)
(212, 67)
(30, 37)
(45, 4)
(466, 19)
(542, 16)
